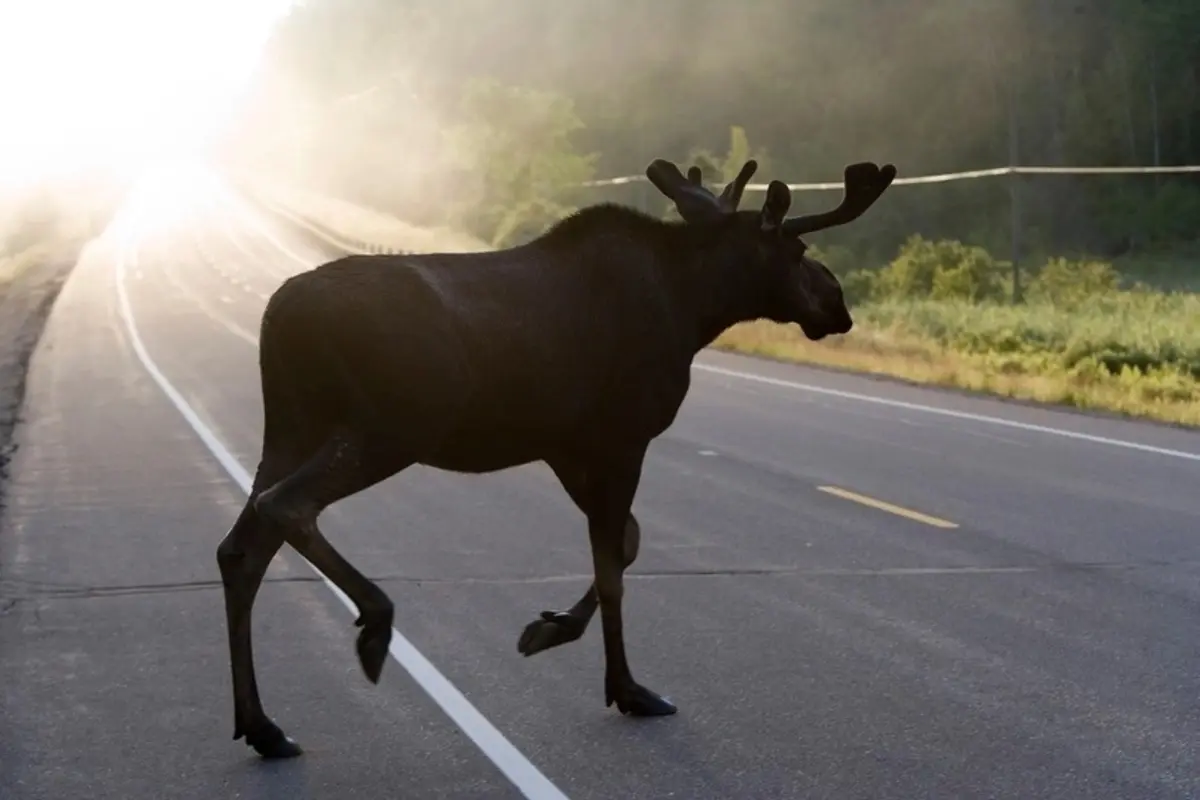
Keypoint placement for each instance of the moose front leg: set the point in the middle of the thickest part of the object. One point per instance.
(608, 497)
(554, 628)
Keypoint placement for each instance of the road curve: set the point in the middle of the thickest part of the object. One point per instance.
(851, 588)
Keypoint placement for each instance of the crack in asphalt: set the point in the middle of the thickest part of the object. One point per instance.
(13, 591)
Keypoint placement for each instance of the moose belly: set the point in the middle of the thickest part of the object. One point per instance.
(488, 448)
(486, 442)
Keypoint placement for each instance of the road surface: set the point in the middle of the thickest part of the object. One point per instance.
(852, 589)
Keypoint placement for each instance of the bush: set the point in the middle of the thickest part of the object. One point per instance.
(516, 144)
(1067, 283)
(840, 259)
(942, 270)
(858, 286)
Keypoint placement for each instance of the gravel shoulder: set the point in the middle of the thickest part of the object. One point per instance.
(25, 303)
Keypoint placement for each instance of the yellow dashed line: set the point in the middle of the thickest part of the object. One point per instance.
(882, 506)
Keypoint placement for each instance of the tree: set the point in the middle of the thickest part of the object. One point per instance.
(516, 162)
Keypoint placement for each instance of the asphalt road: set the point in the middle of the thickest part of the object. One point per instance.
(1020, 622)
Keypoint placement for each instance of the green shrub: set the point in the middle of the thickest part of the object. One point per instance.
(1119, 332)
(1068, 283)
(840, 259)
(518, 144)
(858, 285)
(944, 270)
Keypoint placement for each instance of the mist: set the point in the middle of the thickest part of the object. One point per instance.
(364, 98)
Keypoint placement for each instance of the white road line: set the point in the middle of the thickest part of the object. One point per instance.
(510, 761)
(206, 310)
(946, 412)
(268, 269)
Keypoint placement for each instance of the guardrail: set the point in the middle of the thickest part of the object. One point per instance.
(349, 227)
(349, 245)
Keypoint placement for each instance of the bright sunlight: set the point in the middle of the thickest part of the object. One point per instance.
(121, 84)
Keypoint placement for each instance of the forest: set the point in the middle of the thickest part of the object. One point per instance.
(488, 117)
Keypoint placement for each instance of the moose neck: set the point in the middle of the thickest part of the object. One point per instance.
(718, 291)
(726, 301)
(711, 288)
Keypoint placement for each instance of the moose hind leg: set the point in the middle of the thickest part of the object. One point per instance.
(346, 464)
(243, 556)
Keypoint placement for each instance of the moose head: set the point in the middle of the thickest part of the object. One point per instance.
(792, 287)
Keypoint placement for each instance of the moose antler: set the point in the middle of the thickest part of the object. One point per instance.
(775, 207)
(696, 203)
(864, 183)
(731, 195)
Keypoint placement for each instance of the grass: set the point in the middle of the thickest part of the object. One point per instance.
(1136, 354)
(49, 224)
(15, 265)
(12, 266)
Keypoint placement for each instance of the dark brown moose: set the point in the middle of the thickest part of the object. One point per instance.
(574, 349)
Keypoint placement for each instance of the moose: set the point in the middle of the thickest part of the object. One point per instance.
(573, 349)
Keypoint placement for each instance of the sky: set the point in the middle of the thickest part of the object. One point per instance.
(120, 84)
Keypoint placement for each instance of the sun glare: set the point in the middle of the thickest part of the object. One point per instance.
(121, 84)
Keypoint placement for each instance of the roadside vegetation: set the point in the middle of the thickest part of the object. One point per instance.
(941, 313)
(49, 222)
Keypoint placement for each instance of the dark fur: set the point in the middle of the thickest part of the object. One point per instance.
(574, 349)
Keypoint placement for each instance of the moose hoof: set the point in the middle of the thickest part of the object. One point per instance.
(372, 647)
(272, 743)
(638, 701)
(554, 628)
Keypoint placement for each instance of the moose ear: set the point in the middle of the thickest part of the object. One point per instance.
(775, 207)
